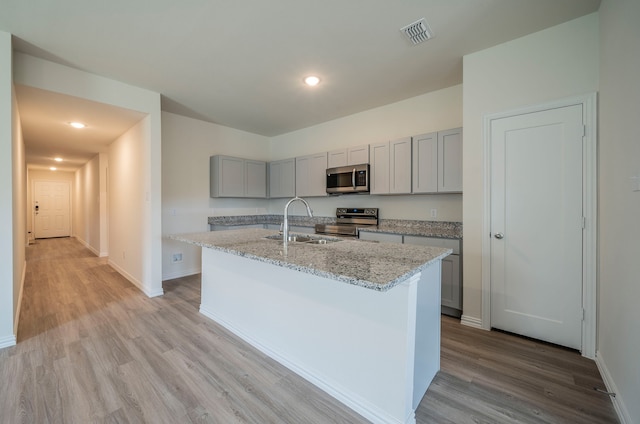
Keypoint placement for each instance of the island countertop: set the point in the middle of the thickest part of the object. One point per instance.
(376, 266)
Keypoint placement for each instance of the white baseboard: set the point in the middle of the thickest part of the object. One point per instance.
(16, 319)
(88, 246)
(7, 341)
(135, 281)
(618, 402)
(181, 273)
(471, 322)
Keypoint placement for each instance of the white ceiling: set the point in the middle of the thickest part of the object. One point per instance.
(241, 63)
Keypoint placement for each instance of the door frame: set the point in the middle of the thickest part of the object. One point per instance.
(32, 199)
(589, 207)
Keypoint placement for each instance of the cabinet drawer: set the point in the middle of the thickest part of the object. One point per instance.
(436, 242)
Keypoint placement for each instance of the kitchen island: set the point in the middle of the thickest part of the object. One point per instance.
(360, 320)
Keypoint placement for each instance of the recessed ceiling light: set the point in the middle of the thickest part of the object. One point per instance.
(53, 168)
(311, 80)
(58, 159)
(77, 125)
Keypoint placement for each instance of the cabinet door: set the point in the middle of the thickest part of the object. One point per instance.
(451, 282)
(358, 155)
(379, 179)
(303, 164)
(282, 178)
(450, 161)
(400, 166)
(425, 163)
(226, 176)
(311, 176)
(337, 158)
(255, 178)
(318, 175)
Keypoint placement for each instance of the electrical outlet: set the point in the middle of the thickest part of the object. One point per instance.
(176, 257)
(434, 213)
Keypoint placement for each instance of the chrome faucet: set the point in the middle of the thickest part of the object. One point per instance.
(285, 223)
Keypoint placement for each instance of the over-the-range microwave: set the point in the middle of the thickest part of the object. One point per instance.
(348, 179)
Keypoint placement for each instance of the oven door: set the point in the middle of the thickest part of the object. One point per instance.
(348, 179)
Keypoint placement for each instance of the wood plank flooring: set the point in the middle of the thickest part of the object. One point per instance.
(93, 349)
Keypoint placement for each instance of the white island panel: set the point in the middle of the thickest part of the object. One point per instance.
(375, 351)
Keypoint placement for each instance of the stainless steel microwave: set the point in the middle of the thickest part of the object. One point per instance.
(348, 179)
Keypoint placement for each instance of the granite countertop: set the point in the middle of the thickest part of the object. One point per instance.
(440, 229)
(376, 266)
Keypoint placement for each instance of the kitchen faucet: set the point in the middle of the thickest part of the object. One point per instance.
(285, 223)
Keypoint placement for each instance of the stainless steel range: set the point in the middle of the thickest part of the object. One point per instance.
(348, 220)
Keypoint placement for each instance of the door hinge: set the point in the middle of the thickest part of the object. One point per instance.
(584, 130)
(583, 314)
(584, 222)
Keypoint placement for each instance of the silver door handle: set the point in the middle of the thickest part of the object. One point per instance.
(353, 178)
(499, 236)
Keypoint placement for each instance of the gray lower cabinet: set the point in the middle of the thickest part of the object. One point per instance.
(383, 237)
(451, 291)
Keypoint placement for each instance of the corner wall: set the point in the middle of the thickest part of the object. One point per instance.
(619, 265)
(552, 64)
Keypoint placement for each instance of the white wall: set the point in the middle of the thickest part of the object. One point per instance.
(39, 73)
(186, 146)
(86, 220)
(556, 63)
(128, 202)
(619, 161)
(13, 189)
(435, 111)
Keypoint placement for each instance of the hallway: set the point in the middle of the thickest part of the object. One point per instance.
(93, 348)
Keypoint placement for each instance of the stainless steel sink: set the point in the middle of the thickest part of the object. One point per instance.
(299, 238)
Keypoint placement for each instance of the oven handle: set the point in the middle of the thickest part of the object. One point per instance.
(353, 178)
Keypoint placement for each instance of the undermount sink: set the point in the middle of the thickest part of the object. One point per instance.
(299, 238)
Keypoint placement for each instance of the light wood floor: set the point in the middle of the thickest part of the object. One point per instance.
(92, 348)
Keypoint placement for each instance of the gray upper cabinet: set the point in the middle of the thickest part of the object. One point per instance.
(437, 162)
(450, 161)
(255, 178)
(236, 177)
(282, 178)
(391, 167)
(348, 156)
(379, 178)
(425, 163)
(311, 175)
(358, 155)
(337, 158)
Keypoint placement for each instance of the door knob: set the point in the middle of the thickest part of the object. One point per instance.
(499, 236)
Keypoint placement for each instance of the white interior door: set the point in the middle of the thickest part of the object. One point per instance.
(537, 225)
(52, 209)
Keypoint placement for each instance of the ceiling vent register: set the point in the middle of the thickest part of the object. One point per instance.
(417, 32)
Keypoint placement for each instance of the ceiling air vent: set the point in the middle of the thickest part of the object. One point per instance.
(417, 32)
